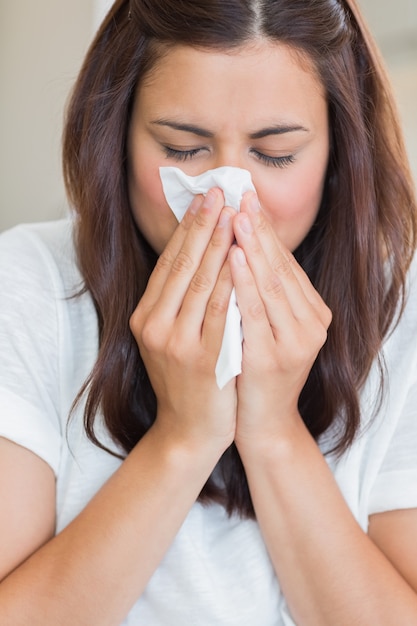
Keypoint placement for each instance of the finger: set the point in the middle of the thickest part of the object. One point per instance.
(167, 257)
(271, 243)
(311, 293)
(216, 310)
(269, 280)
(278, 274)
(255, 321)
(204, 280)
(181, 269)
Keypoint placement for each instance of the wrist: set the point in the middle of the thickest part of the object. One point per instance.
(188, 446)
(282, 441)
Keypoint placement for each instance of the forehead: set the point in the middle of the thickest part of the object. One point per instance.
(259, 77)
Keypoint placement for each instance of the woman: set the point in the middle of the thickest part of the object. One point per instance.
(288, 496)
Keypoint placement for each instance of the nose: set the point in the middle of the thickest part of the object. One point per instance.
(230, 157)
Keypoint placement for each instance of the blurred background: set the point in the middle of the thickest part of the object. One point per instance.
(42, 45)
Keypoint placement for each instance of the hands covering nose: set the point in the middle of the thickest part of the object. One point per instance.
(179, 323)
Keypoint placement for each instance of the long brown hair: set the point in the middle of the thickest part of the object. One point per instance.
(366, 219)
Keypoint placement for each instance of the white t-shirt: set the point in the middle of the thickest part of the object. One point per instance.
(217, 571)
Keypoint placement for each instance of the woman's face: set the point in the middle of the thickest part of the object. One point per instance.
(261, 108)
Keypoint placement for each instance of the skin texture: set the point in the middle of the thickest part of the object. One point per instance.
(284, 94)
(331, 572)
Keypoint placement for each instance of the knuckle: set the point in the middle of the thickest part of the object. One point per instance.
(262, 224)
(225, 275)
(281, 266)
(317, 337)
(321, 336)
(200, 221)
(290, 257)
(274, 287)
(182, 262)
(136, 320)
(217, 306)
(164, 261)
(200, 283)
(150, 337)
(217, 240)
(134, 324)
(327, 317)
(256, 311)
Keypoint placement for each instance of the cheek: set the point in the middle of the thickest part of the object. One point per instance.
(150, 210)
(291, 202)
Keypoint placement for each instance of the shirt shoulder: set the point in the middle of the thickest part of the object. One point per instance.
(28, 251)
(48, 335)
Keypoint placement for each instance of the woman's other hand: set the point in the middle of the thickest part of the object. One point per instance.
(285, 325)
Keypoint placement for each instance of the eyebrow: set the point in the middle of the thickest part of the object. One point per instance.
(278, 129)
(188, 128)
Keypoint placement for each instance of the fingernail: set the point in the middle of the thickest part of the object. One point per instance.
(245, 224)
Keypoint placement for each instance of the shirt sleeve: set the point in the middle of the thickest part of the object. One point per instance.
(396, 484)
(29, 340)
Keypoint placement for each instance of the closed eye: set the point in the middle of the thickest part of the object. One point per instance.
(181, 155)
(281, 161)
(186, 155)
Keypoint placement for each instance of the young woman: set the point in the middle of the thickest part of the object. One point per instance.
(133, 489)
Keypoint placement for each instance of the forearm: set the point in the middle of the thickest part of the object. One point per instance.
(94, 571)
(329, 570)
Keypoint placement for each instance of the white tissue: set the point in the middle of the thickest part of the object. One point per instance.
(179, 190)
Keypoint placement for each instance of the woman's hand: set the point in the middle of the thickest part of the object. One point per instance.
(285, 324)
(179, 322)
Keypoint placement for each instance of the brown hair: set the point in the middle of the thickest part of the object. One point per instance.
(366, 222)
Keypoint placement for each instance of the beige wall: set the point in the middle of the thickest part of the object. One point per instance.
(42, 43)
(393, 23)
(395, 27)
